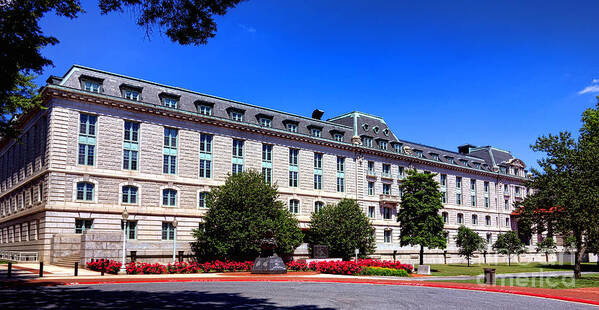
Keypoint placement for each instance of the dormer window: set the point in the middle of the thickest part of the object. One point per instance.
(91, 84)
(464, 162)
(170, 101)
(503, 169)
(397, 147)
(375, 129)
(435, 156)
(235, 114)
(383, 145)
(265, 122)
(291, 126)
(386, 132)
(367, 141)
(476, 165)
(516, 171)
(204, 108)
(131, 92)
(450, 160)
(365, 127)
(316, 132)
(419, 153)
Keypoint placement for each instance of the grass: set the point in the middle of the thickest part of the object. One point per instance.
(3, 261)
(547, 282)
(474, 270)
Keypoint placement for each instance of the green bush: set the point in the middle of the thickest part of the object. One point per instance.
(378, 271)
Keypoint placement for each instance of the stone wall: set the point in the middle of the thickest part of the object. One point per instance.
(65, 245)
(101, 244)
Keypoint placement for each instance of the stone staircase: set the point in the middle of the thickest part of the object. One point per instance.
(67, 261)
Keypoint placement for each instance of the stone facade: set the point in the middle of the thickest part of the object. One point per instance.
(39, 177)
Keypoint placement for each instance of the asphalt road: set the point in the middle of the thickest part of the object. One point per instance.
(265, 295)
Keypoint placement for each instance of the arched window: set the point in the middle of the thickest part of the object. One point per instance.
(85, 191)
(460, 218)
(294, 206)
(318, 205)
(488, 220)
(129, 194)
(169, 197)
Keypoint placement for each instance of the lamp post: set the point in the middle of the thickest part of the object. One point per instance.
(124, 256)
(174, 238)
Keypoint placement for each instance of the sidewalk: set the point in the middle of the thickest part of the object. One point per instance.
(64, 276)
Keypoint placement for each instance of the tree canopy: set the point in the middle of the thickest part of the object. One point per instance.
(565, 196)
(21, 39)
(419, 219)
(547, 246)
(469, 242)
(239, 213)
(509, 244)
(343, 227)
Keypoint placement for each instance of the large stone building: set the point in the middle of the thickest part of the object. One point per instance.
(107, 142)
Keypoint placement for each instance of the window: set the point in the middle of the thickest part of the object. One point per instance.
(458, 199)
(236, 116)
(386, 189)
(397, 147)
(87, 139)
(444, 180)
(85, 191)
(370, 188)
(40, 192)
(237, 166)
(340, 174)
(474, 219)
(129, 194)
(93, 86)
(444, 197)
(476, 165)
(202, 197)
(401, 172)
(170, 102)
(338, 137)
(371, 168)
(316, 132)
(419, 153)
(168, 231)
(367, 141)
(169, 197)
(318, 205)
(205, 156)
(265, 122)
(507, 222)
(386, 213)
(170, 151)
(450, 160)
(486, 187)
(293, 167)
(131, 229)
(506, 189)
(386, 170)
(383, 145)
(445, 217)
(267, 163)
(503, 169)
(131, 94)
(388, 235)
(291, 127)
(82, 225)
(486, 202)
(517, 191)
(489, 238)
(458, 182)
(488, 220)
(460, 218)
(294, 206)
(473, 192)
(506, 204)
(516, 171)
(204, 109)
(317, 171)
(371, 211)
(130, 145)
(435, 156)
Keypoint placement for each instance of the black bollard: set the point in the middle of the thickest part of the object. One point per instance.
(103, 268)
(41, 269)
(76, 268)
(9, 274)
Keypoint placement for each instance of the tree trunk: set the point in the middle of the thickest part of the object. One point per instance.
(509, 259)
(421, 255)
(578, 259)
(468, 259)
(546, 257)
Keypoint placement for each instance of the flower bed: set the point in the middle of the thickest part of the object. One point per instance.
(379, 271)
(348, 267)
(111, 266)
(188, 267)
(385, 264)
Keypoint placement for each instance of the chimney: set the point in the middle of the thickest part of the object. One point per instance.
(465, 149)
(317, 114)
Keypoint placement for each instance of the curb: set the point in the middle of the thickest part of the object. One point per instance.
(72, 282)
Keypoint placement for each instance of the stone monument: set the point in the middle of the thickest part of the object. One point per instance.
(268, 262)
(320, 251)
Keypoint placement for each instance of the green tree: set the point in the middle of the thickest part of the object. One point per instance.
(419, 219)
(239, 213)
(469, 242)
(508, 243)
(547, 246)
(21, 39)
(343, 227)
(566, 188)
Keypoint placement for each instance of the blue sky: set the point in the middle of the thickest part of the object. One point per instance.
(440, 73)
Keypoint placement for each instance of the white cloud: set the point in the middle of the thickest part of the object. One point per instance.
(249, 29)
(593, 88)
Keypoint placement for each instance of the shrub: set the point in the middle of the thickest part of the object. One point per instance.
(385, 264)
(337, 267)
(297, 266)
(389, 272)
(111, 266)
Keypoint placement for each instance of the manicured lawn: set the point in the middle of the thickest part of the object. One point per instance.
(3, 261)
(473, 270)
(548, 282)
